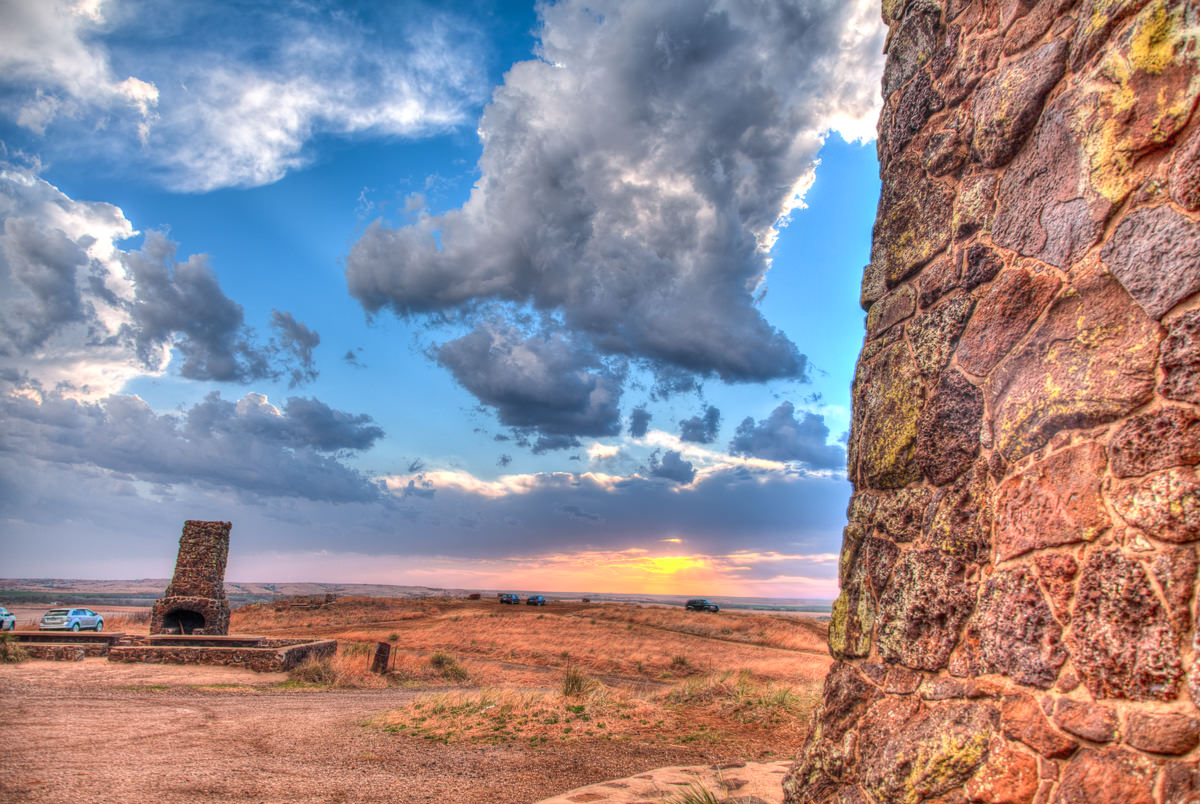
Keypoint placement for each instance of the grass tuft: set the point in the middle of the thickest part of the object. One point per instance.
(576, 682)
(10, 650)
(694, 794)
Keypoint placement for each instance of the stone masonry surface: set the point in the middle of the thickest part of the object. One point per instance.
(1017, 617)
(198, 585)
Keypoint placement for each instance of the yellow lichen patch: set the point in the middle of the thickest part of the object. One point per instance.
(1139, 97)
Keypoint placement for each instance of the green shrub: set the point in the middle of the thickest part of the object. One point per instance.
(448, 667)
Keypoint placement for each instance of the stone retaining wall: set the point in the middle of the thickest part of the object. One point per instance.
(1017, 614)
(277, 658)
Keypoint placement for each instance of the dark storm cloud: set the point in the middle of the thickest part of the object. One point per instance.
(780, 437)
(575, 512)
(553, 443)
(639, 422)
(631, 177)
(248, 446)
(504, 460)
(672, 467)
(298, 341)
(701, 429)
(545, 381)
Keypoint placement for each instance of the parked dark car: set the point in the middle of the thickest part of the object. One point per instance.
(70, 620)
(8, 620)
(509, 597)
(535, 600)
(701, 604)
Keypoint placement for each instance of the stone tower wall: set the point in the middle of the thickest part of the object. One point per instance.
(198, 584)
(1017, 614)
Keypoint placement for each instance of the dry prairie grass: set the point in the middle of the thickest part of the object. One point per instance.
(621, 640)
(712, 709)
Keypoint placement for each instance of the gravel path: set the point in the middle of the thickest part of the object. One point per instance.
(95, 731)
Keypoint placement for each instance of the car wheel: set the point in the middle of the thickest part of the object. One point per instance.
(75, 627)
(99, 626)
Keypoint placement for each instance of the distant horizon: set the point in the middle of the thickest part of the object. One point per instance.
(7, 583)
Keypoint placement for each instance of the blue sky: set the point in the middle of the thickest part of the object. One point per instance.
(474, 294)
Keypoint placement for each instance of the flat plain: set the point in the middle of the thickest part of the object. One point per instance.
(482, 702)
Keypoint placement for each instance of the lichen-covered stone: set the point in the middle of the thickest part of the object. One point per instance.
(1121, 640)
(1018, 635)
(980, 264)
(1007, 105)
(1055, 501)
(1009, 776)
(923, 608)
(1165, 504)
(861, 507)
(1143, 91)
(888, 397)
(971, 64)
(913, 226)
(902, 512)
(1098, 18)
(1021, 719)
(880, 557)
(891, 310)
(1107, 776)
(1091, 360)
(874, 285)
(823, 758)
(960, 521)
(1043, 210)
(852, 618)
(1161, 439)
(1179, 355)
(1155, 253)
(910, 46)
(1056, 573)
(1175, 569)
(1031, 27)
(1091, 721)
(943, 153)
(1003, 315)
(948, 428)
(915, 104)
(934, 332)
(975, 204)
(1162, 733)
(934, 752)
(936, 280)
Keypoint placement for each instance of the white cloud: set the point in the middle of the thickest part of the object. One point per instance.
(49, 45)
(234, 95)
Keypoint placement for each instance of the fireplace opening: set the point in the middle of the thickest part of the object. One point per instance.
(182, 621)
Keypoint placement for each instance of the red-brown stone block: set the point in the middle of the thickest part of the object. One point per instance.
(1055, 501)
(1008, 104)
(1165, 505)
(1092, 721)
(1017, 634)
(1002, 317)
(1107, 776)
(948, 428)
(1090, 361)
(923, 608)
(1121, 640)
(1165, 733)
(1179, 355)
(1167, 437)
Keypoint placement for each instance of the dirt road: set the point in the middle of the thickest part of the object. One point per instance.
(93, 731)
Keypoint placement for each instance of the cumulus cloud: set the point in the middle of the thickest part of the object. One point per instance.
(672, 467)
(47, 48)
(249, 446)
(633, 176)
(701, 429)
(781, 437)
(239, 105)
(79, 313)
(546, 380)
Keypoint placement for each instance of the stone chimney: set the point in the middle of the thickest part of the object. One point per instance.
(1017, 619)
(195, 601)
